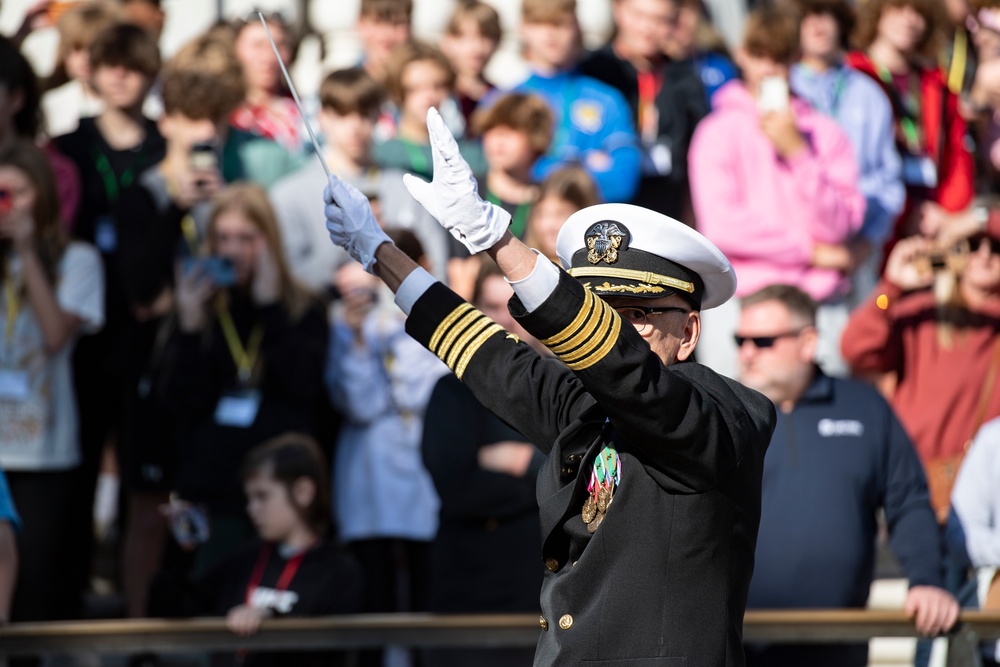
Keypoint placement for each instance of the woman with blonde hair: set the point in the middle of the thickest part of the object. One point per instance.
(52, 290)
(249, 358)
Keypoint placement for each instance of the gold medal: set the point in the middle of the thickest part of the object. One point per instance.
(603, 498)
(592, 526)
(589, 509)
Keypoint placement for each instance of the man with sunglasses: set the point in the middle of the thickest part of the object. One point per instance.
(837, 456)
(649, 499)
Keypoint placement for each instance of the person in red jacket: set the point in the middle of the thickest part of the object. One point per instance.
(898, 42)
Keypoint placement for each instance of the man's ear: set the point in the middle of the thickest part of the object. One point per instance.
(810, 344)
(689, 339)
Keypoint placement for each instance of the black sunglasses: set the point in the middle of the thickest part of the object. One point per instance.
(975, 242)
(765, 341)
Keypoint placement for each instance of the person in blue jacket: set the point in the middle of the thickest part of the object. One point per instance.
(838, 455)
(593, 120)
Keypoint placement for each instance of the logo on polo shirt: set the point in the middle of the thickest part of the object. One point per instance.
(271, 598)
(587, 116)
(831, 428)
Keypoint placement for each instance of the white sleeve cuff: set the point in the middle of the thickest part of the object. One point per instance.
(539, 285)
(412, 288)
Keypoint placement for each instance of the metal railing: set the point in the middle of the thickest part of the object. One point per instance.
(423, 630)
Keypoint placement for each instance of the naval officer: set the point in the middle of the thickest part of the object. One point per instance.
(650, 496)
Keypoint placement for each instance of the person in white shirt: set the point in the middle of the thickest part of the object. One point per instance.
(53, 290)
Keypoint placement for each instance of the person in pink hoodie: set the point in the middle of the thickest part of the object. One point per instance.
(775, 186)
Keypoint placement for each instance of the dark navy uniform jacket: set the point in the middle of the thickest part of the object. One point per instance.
(663, 581)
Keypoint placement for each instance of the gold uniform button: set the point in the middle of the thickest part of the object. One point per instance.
(552, 564)
(543, 623)
(566, 622)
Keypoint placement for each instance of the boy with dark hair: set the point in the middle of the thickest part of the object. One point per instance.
(351, 100)
(666, 97)
(110, 150)
(593, 126)
(384, 26)
(774, 185)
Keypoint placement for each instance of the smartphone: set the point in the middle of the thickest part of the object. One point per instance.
(219, 269)
(204, 156)
(772, 95)
(6, 201)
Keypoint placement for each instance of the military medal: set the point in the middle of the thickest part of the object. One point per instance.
(601, 489)
(589, 509)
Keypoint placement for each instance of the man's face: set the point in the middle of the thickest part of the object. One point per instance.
(778, 349)
(671, 335)
(645, 26)
(819, 36)
(552, 44)
(351, 133)
(425, 85)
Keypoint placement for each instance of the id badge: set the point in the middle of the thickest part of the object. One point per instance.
(106, 235)
(920, 171)
(658, 160)
(14, 385)
(237, 409)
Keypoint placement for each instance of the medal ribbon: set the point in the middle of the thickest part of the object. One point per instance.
(607, 471)
(245, 358)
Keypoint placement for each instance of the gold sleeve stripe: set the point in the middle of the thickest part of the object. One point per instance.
(628, 274)
(456, 330)
(445, 325)
(586, 332)
(474, 346)
(589, 303)
(600, 332)
(477, 328)
(601, 351)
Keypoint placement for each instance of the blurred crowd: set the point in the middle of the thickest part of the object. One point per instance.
(181, 336)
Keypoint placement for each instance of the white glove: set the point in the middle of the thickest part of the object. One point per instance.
(453, 196)
(351, 223)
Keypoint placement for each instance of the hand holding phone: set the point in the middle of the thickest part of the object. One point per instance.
(218, 269)
(772, 94)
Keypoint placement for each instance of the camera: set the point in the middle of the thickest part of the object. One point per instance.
(952, 258)
(219, 269)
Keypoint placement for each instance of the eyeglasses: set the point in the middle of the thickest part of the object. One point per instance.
(975, 243)
(762, 342)
(637, 314)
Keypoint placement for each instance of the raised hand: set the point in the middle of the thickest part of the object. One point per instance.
(453, 196)
(351, 222)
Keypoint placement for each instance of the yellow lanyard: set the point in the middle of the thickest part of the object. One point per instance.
(245, 358)
(956, 73)
(190, 230)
